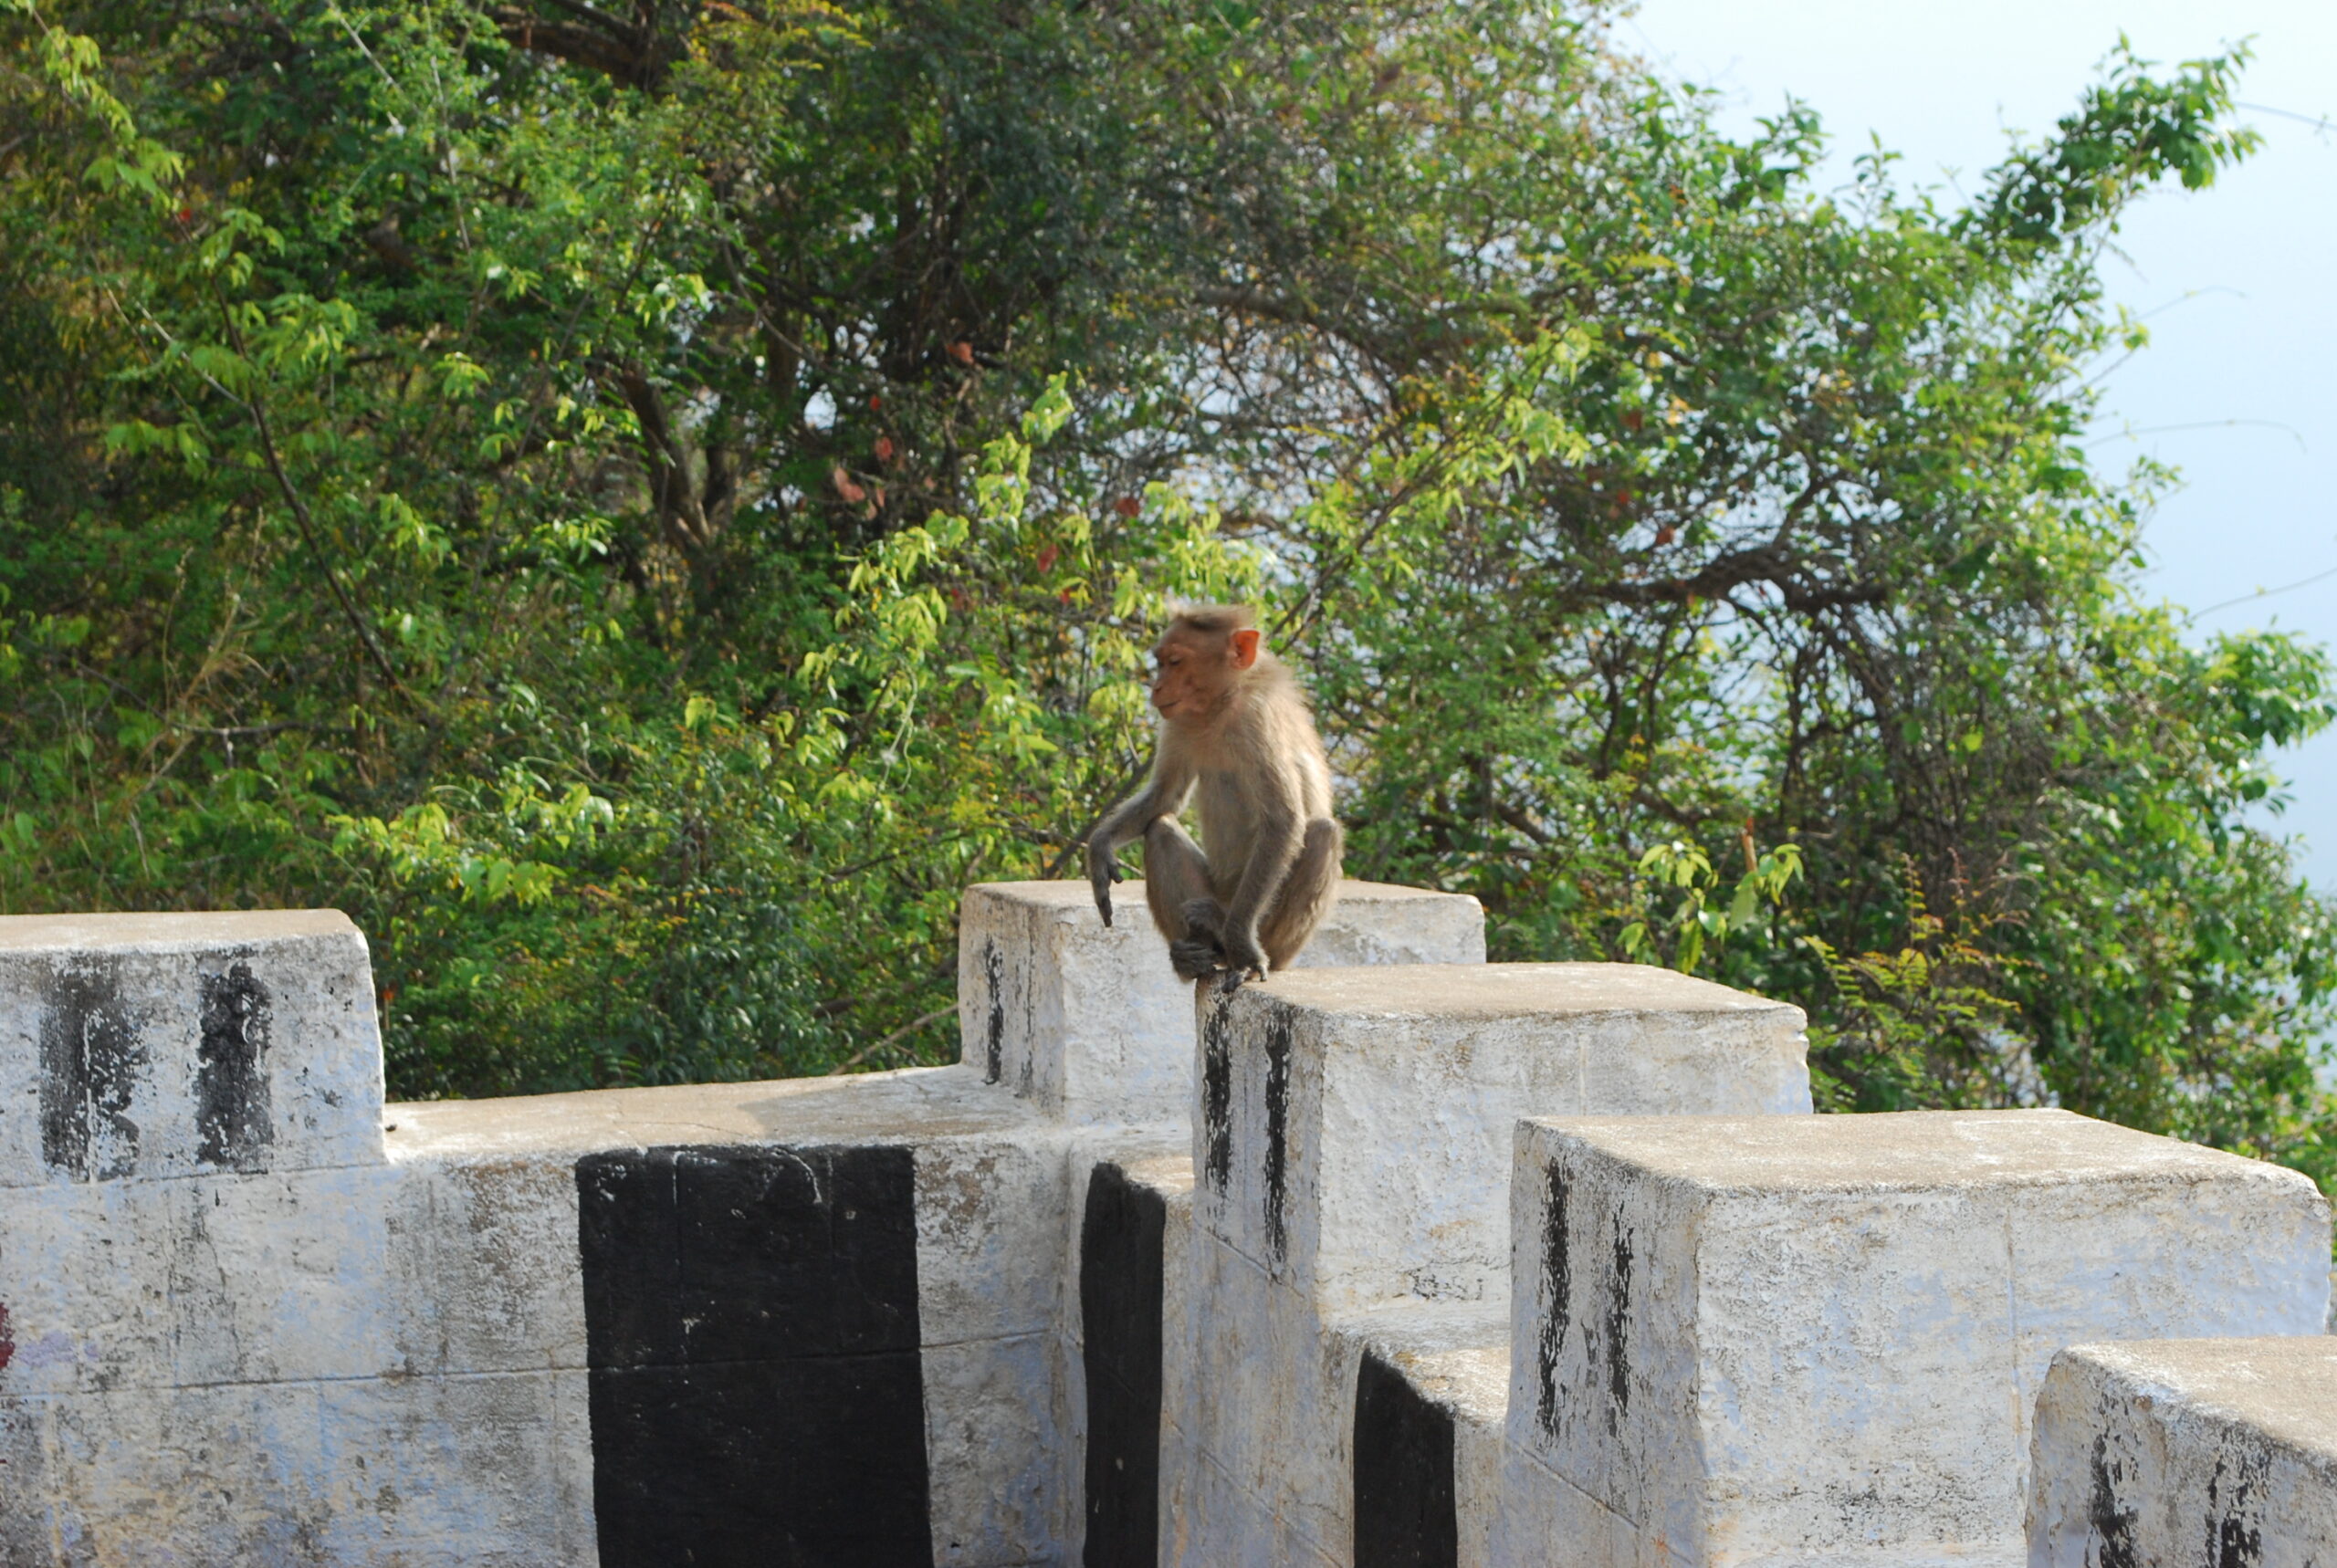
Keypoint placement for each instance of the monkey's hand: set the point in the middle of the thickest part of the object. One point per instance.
(1243, 954)
(1103, 870)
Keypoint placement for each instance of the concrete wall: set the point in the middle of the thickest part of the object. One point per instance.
(2217, 1452)
(1447, 1262)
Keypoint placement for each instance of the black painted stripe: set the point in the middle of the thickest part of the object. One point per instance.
(91, 1064)
(757, 1393)
(234, 1122)
(994, 1037)
(1217, 1097)
(1405, 1514)
(1277, 1169)
(1557, 1290)
(1120, 1277)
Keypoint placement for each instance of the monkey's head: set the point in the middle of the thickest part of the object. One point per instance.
(1199, 660)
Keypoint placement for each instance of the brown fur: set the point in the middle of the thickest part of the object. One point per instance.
(1235, 731)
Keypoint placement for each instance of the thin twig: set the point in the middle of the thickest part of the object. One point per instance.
(866, 1051)
(258, 412)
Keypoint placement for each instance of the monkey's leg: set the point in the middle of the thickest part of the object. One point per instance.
(1307, 894)
(1175, 875)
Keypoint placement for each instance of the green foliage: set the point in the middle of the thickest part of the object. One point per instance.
(641, 505)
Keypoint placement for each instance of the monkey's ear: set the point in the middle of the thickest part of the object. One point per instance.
(1244, 644)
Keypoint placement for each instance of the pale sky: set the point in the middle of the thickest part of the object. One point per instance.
(2245, 333)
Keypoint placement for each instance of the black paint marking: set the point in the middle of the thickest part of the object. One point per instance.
(1120, 1284)
(1216, 1098)
(1405, 1515)
(2113, 1526)
(2235, 1539)
(1619, 1325)
(1557, 1287)
(91, 1060)
(1277, 1133)
(232, 1121)
(993, 1050)
(751, 1330)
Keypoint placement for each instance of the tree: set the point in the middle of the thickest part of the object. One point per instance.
(641, 505)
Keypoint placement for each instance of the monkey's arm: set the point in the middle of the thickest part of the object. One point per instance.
(1163, 795)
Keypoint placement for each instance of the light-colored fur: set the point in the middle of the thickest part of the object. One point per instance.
(1248, 896)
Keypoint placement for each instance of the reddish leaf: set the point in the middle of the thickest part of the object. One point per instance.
(1128, 506)
(963, 353)
(852, 493)
(884, 449)
(1047, 554)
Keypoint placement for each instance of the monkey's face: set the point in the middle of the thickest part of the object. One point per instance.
(1189, 674)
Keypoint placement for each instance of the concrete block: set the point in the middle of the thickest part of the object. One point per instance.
(1092, 1024)
(2169, 1453)
(211, 1279)
(1750, 1338)
(1354, 1125)
(996, 1493)
(435, 1472)
(1273, 1399)
(160, 1045)
(482, 1263)
(1427, 1412)
(990, 1237)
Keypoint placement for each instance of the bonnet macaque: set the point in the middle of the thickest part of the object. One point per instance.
(1234, 727)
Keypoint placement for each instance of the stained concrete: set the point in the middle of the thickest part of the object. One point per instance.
(1092, 1024)
(1303, 1078)
(169, 1045)
(931, 1102)
(2163, 1454)
(1735, 1339)
(1352, 1144)
(237, 1329)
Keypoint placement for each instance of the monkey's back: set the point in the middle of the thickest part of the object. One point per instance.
(1267, 765)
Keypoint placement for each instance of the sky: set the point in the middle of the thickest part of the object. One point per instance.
(2238, 388)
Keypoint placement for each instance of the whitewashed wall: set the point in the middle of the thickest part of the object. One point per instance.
(1446, 1262)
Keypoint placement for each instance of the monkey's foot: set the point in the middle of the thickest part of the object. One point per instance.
(1195, 960)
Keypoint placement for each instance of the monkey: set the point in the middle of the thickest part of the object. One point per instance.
(1234, 727)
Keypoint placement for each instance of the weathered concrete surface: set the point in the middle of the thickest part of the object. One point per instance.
(1092, 1024)
(2168, 1453)
(1744, 1340)
(990, 1176)
(160, 1045)
(1304, 1078)
(1457, 1359)
(932, 1102)
(388, 1364)
(1351, 1140)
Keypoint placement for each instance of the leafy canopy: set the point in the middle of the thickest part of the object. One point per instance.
(640, 505)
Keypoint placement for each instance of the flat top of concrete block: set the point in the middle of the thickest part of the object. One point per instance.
(1076, 898)
(1899, 1150)
(1456, 1354)
(1508, 990)
(1169, 1174)
(910, 1106)
(166, 931)
(2285, 1387)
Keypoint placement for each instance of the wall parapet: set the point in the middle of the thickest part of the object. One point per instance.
(1435, 1261)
